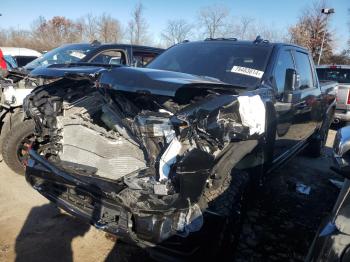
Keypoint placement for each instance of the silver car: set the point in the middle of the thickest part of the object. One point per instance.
(340, 74)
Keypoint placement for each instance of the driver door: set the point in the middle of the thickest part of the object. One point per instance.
(286, 135)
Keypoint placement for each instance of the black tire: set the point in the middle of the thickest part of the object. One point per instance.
(317, 143)
(228, 201)
(16, 143)
(9, 120)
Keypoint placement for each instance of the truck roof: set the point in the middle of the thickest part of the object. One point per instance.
(19, 51)
(258, 41)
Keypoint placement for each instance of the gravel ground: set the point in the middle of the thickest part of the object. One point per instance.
(279, 227)
(282, 223)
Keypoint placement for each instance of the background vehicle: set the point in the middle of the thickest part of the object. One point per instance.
(11, 62)
(22, 56)
(14, 93)
(332, 241)
(97, 53)
(7, 62)
(162, 151)
(340, 74)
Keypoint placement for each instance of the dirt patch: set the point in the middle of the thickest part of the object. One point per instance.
(32, 229)
(280, 225)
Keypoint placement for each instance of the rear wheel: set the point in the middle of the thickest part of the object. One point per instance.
(16, 145)
(316, 145)
(228, 201)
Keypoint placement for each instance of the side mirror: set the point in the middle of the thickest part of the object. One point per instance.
(341, 152)
(291, 80)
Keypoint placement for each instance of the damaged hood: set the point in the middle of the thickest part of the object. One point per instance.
(158, 82)
(130, 79)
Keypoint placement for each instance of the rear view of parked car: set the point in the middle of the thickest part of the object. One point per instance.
(22, 56)
(340, 74)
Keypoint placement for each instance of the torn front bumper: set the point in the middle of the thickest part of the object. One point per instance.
(92, 199)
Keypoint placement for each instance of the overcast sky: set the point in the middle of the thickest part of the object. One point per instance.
(277, 14)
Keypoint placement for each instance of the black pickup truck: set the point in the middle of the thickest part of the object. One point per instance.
(161, 156)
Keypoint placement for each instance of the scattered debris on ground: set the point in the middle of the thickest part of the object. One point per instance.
(282, 223)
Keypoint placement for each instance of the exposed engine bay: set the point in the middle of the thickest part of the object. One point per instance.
(163, 152)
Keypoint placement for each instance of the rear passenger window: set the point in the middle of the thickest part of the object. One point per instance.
(284, 62)
(304, 70)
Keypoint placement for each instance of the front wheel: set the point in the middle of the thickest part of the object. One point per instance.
(16, 145)
(10, 119)
(227, 201)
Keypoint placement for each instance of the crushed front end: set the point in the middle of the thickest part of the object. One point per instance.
(136, 163)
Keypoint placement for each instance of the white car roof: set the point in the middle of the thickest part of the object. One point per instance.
(19, 51)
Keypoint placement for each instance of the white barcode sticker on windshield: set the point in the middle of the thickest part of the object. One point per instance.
(247, 71)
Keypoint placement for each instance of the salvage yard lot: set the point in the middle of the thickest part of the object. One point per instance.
(280, 226)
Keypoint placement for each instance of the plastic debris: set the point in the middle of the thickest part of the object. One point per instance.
(303, 189)
(160, 189)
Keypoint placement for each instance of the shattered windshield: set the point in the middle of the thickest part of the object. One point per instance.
(62, 55)
(10, 61)
(242, 65)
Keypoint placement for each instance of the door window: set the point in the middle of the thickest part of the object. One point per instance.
(112, 57)
(304, 70)
(284, 62)
(142, 58)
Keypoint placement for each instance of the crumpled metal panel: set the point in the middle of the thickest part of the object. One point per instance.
(113, 159)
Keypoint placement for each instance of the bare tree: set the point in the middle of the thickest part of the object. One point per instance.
(213, 20)
(109, 29)
(246, 28)
(269, 32)
(49, 34)
(309, 31)
(3, 38)
(89, 25)
(176, 31)
(137, 27)
(15, 37)
(246, 24)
